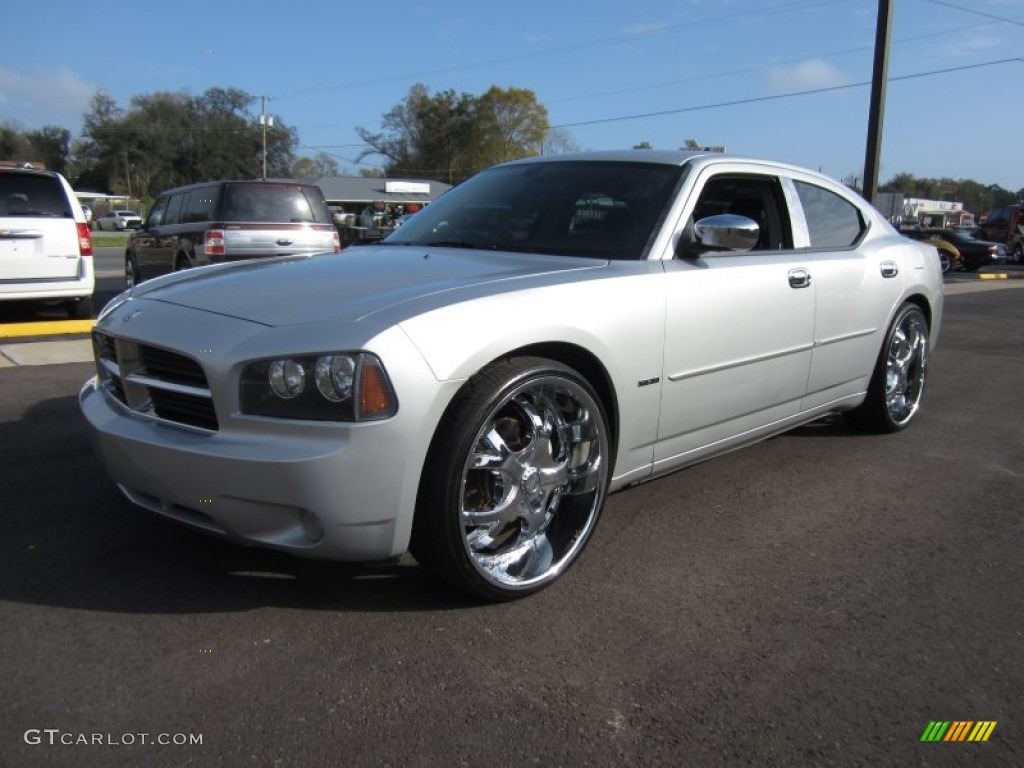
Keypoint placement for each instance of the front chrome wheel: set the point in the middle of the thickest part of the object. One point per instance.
(533, 482)
(905, 368)
(517, 480)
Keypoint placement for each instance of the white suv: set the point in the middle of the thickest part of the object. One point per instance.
(45, 243)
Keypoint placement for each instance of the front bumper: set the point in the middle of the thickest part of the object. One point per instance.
(313, 497)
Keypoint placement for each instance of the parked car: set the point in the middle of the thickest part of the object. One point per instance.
(549, 331)
(949, 255)
(1006, 225)
(220, 221)
(87, 212)
(119, 221)
(45, 244)
(974, 253)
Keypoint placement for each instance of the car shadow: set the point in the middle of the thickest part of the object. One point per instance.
(833, 425)
(72, 540)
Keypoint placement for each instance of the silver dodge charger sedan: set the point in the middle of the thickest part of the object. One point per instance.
(550, 331)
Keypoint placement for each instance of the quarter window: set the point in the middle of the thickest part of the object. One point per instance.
(832, 222)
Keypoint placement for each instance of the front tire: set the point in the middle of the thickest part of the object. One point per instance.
(515, 480)
(898, 381)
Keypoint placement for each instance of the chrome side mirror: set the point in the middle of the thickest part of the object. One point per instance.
(725, 232)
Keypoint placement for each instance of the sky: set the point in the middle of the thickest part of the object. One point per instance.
(779, 79)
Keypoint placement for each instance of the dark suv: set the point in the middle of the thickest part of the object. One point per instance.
(221, 221)
(1006, 225)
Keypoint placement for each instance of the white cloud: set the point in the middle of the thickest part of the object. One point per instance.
(45, 97)
(974, 45)
(813, 73)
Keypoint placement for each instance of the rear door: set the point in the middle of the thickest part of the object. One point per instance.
(38, 231)
(858, 284)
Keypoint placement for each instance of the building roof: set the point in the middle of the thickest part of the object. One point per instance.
(361, 189)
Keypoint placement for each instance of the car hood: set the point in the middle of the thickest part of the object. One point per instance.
(352, 285)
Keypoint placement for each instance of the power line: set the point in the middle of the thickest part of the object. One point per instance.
(760, 67)
(779, 96)
(785, 7)
(976, 12)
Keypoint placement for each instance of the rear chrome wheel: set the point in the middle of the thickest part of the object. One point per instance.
(898, 382)
(517, 491)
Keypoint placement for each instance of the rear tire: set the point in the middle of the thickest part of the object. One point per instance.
(515, 480)
(898, 381)
(131, 271)
(81, 309)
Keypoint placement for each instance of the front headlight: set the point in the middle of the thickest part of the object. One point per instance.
(344, 386)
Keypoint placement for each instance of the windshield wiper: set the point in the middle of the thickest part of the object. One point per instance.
(451, 244)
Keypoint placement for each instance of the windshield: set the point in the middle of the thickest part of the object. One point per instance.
(576, 208)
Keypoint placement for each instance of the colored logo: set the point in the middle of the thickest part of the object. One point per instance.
(958, 730)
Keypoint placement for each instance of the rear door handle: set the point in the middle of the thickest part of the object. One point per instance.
(799, 278)
(889, 268)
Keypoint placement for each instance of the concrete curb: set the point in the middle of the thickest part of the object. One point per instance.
(1001, 276)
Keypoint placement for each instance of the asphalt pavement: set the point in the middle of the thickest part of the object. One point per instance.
(818, 599)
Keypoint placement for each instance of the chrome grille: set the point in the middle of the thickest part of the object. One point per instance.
(155, 382)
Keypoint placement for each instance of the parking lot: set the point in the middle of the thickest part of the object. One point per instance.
(817, 599)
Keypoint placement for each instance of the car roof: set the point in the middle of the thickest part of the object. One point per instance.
(28, 171)
(269, 182)
(662, 157)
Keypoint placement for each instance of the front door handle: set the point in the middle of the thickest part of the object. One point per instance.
(889, 268)
(799, 278)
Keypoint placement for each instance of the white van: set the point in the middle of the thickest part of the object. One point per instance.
(45, 243)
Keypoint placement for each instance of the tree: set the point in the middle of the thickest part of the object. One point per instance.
(643, 145)
(509, 124)
(318, 166)
(425, 135)
(166, 139)
(14, 145)
(557, 142)
(450, 136)
(52, 145)
(975, 197)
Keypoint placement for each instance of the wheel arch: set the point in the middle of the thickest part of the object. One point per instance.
(589, 366)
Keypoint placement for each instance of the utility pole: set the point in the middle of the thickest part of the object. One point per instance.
(876, 116)
(265, 120)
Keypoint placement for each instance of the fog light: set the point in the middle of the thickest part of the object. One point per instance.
(287, 378)
(311, 525)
